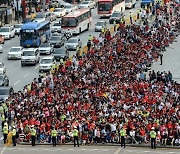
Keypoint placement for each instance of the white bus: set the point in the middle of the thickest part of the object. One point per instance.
(77, 21)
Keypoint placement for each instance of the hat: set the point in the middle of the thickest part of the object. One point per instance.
(75, 127)
(68, 126)
(32, 126)
(153, 128)
(13, 126)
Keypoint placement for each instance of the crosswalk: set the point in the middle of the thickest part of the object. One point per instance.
(157, 151)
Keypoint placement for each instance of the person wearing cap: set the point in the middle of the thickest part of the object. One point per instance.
(14, 135)
(5, 132)
(122, 135)
(153, 138)
(33, 135)
(75, 135)
(54, 135)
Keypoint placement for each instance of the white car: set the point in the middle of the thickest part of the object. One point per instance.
(15, 53)
(73, 44)
(17, 28)
(59, 12)
(87, 4)
(46, 64)
(2, 68)
(69, 8)
(56, 27)
(7, 32)
(1, 49)
(45, 48)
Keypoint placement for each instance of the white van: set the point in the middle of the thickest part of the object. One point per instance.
(30, 56)
(130, 4)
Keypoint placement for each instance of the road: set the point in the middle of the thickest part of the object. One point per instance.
(20, 76)
(60, 149)
(134, 150)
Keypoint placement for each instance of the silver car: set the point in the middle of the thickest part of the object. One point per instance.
(15, 53)
(73, 43)
(100, 25)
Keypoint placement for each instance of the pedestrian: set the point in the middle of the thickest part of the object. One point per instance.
(114, 22)
(89, 45)
(161, 57)
(33, 135)
(153, 138)
(5, 132)
(14, 135)
(75, 135)
(130, 17)
(54, 135)
(122, 135)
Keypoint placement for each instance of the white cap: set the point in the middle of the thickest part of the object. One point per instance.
(75, 127)
(32, 126)
(152, 128)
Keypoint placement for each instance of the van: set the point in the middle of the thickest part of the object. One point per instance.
(30, 56)
(130, 4)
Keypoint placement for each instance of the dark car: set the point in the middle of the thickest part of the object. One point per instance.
(116, 16)
(27, 20)
(4, 80)
(57, 40)
(59, 53)
(5, 92)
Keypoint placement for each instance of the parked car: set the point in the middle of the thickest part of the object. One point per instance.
(117, 16)
(5, 92)
(43, 16)
(15, 53)
(17, 28)
(130, 4)
(4, 80)
(59, 53)
(87, 4)
(7, 31)
(45, 48)
(69, 8)
(59, 12)
(56, 27)
(73, 43)
(1, 49)
(1, 39)
(100, 25)
(30, 56)
(57, 40)
(46, 64)
(2, 68)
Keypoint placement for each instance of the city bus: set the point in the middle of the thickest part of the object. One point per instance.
(32, 34)
(77, 21)
(107, 7)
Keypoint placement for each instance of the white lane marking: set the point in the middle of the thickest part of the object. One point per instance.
(146, 151)
(118, 150)
(3, 150)
(26, 75)
(36, 66)
(171, 152)
(1, 138)
(16, 82)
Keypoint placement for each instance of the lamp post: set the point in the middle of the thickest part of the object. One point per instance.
(17, 10)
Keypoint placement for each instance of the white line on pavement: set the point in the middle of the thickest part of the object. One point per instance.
(36, 66)
(1, 138)
(118, 150)
(16, 82)
(26, 75)
(3, 150)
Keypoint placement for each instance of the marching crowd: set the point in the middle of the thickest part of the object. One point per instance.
(104, 91)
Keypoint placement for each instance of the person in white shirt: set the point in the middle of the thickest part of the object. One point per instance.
(132, 136)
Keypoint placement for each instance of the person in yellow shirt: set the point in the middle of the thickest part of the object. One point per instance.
(33, 135)
(14, 135)
(54, 135)
(5, 132)
(122, 135)
(75, 135)
(153, 138)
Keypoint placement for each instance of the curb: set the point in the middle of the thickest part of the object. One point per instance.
(129, 145)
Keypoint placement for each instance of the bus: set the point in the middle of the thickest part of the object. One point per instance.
(107, 7)
(77, 21)
(32, 34)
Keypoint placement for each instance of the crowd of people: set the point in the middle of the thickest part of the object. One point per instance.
(105, 90)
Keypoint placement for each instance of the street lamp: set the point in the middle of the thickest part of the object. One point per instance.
(17, 10)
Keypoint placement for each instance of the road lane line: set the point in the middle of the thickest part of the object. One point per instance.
(36, 66)
(118, 150)
(26, 75)
(16, 82)
(3, 150)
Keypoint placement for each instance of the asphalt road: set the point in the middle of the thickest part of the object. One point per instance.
(130, 150)
(59, 149)
(20, 76)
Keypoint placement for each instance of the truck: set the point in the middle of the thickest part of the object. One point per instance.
(146, 3)
(129, 4)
